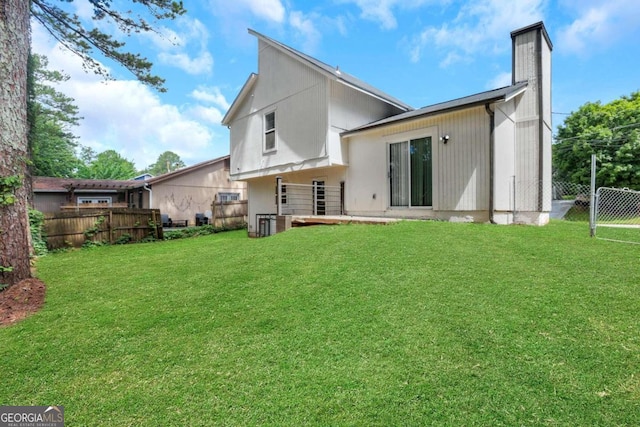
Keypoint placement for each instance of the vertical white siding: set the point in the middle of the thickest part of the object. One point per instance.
(547, 134)
(262, 200)
(297, 94)
(504, 162)
(532, 63)
(348, 109)
(460, 168)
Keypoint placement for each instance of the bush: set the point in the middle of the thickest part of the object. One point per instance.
(203, 230)
(38, 235)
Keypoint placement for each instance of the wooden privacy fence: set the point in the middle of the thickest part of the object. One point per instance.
(115, 225)
(229, 213)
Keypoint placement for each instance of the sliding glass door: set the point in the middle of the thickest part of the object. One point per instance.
(410, 174)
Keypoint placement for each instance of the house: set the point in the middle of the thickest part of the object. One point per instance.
(181, 194)
(310, 139)
(191, 190)
(56, 194)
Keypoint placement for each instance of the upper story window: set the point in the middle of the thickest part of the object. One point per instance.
(270, 131)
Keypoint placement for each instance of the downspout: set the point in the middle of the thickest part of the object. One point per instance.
(492, 125)
(146, 187)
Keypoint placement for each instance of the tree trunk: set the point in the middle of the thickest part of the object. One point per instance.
(14, 54)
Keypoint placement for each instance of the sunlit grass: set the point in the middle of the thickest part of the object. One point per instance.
(417, 323)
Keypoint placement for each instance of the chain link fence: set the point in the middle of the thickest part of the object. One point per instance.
(617, 215)
(570, 201)
(564, 200)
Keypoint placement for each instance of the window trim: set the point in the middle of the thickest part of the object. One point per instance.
(97, 200)
(228, 196)
(266, 132)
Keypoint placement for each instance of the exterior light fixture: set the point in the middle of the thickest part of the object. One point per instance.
(444, 138)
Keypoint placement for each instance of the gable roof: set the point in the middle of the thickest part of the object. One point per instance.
(185, 170)
(325, 69)
(501, 94)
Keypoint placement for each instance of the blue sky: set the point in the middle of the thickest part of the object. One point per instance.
(420, 51)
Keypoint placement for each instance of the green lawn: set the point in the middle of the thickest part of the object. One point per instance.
(416, 323)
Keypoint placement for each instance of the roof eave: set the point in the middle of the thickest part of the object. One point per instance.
(184, 170)
(246, 88)
(518, 89)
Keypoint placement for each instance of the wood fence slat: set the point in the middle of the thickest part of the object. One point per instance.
(70, 228)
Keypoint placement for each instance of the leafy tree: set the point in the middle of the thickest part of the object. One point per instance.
(14, 50)
(51, 142)
(611, 132)
(167, 162)
(106, 165)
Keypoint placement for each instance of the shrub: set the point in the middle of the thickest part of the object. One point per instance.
(38, 235)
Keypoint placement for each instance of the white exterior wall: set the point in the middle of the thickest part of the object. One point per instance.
(261, 200)
(547, 126)
(504, 161)
(460, 168)
(298, 95)
(532, 63)
(348, 109)
(262, 191)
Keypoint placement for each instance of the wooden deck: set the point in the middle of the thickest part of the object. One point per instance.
(302, 220)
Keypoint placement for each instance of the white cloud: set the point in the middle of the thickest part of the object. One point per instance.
(501, 80)
(304, 26)
(599, 24)
(130, 118)
(206, 114)
(381, 11)
(202, 64)
(478, 28)
(186, 48)
(267, 10)
(270, 10)
(211, 95)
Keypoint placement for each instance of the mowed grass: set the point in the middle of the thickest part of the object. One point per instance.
(416, 323)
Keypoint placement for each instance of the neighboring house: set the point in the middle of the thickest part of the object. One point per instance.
(143, 177)
(185, 192)
(181, 194)
(485, 157)
(56, 194)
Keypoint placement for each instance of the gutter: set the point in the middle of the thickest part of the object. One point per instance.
(146, 187)
(492, 143)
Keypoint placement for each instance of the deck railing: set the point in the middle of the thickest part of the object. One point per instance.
(309, 199)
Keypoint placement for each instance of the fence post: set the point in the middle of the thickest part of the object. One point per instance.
(341, 197)
(279, 195)
(110, 227)
(592, 200)
(315, 198)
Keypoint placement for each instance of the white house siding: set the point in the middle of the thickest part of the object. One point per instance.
(547, 132)
(348, 109)
(301, 117)
(261, 194)
(504, 161)
(533, 150)
(460, 168)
